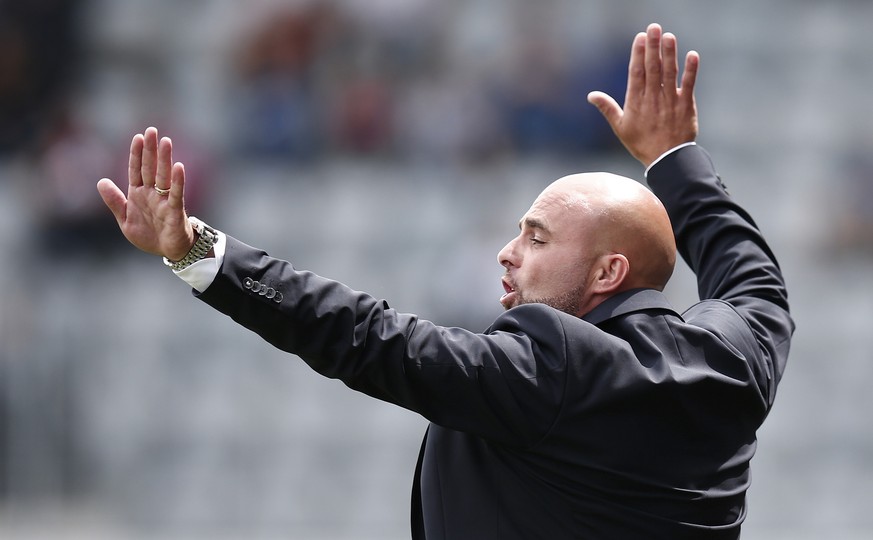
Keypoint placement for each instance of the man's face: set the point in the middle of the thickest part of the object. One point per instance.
(549, 262)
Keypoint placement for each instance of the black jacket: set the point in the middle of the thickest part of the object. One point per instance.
(632, 422)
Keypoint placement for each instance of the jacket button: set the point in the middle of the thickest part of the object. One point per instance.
(271, 292)
(248, 283)
(278, 298)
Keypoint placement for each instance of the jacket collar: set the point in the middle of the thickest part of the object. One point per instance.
(628, 302)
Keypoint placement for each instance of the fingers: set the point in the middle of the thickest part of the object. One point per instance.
(653, 61)
(149, 161)
(636, 73)
(661, 71)
(164, 165)
(177, 186)
(671, 65)
(134, 168)
(607, 106)
(689, 75)
(114, 199)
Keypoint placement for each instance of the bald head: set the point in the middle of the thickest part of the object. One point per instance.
(621, 216)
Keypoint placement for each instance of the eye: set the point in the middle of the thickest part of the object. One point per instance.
(536, 241)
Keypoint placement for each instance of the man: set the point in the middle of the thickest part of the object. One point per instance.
(590, 408)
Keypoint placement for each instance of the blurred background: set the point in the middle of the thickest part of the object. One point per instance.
(391, 144)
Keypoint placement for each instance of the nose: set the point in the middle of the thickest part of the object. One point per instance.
(507, 256)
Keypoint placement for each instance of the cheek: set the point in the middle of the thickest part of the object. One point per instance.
(570, 274)
(556, 274)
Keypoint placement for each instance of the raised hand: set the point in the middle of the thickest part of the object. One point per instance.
(152, 215)
(657, 115)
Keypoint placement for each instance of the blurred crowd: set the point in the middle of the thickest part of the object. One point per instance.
(39, 50)
(307, 82)
(319, 80)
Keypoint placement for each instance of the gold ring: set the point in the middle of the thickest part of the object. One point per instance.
(162, 191)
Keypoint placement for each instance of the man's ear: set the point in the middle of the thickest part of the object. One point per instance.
(610, 273)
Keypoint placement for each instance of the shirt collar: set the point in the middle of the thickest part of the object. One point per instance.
(628, 302)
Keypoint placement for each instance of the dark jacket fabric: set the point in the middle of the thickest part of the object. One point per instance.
(634, 422)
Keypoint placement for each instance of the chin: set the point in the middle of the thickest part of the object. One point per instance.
(570, 303)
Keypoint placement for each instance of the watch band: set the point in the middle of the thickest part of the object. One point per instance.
(207, 236)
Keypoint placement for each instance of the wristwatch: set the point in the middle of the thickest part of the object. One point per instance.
(207, 236)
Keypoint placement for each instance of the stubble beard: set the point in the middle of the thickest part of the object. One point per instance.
(569, 302)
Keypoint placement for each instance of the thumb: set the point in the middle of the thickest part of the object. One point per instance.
(114, 199)
(607, 106)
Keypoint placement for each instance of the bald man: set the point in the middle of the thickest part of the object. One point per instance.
(590, 408)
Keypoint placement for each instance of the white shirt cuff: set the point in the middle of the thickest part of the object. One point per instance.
(667, 153)
(201, 274)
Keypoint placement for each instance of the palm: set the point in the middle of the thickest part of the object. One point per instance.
(149, 218)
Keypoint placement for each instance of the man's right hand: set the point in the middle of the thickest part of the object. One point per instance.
(657, 115)
(150, 218)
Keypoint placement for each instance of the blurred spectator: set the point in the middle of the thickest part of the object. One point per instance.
(445, 118)
(39, 50)
(854, 224)
(72, 219)
(364, 116)
(281, 109)
(398, 37)
(544, 101)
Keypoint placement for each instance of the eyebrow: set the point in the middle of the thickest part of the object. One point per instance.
(532, 223)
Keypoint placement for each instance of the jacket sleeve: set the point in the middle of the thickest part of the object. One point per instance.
(723, 246)
(506, 384)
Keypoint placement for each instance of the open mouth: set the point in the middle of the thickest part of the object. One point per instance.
(508, 292)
